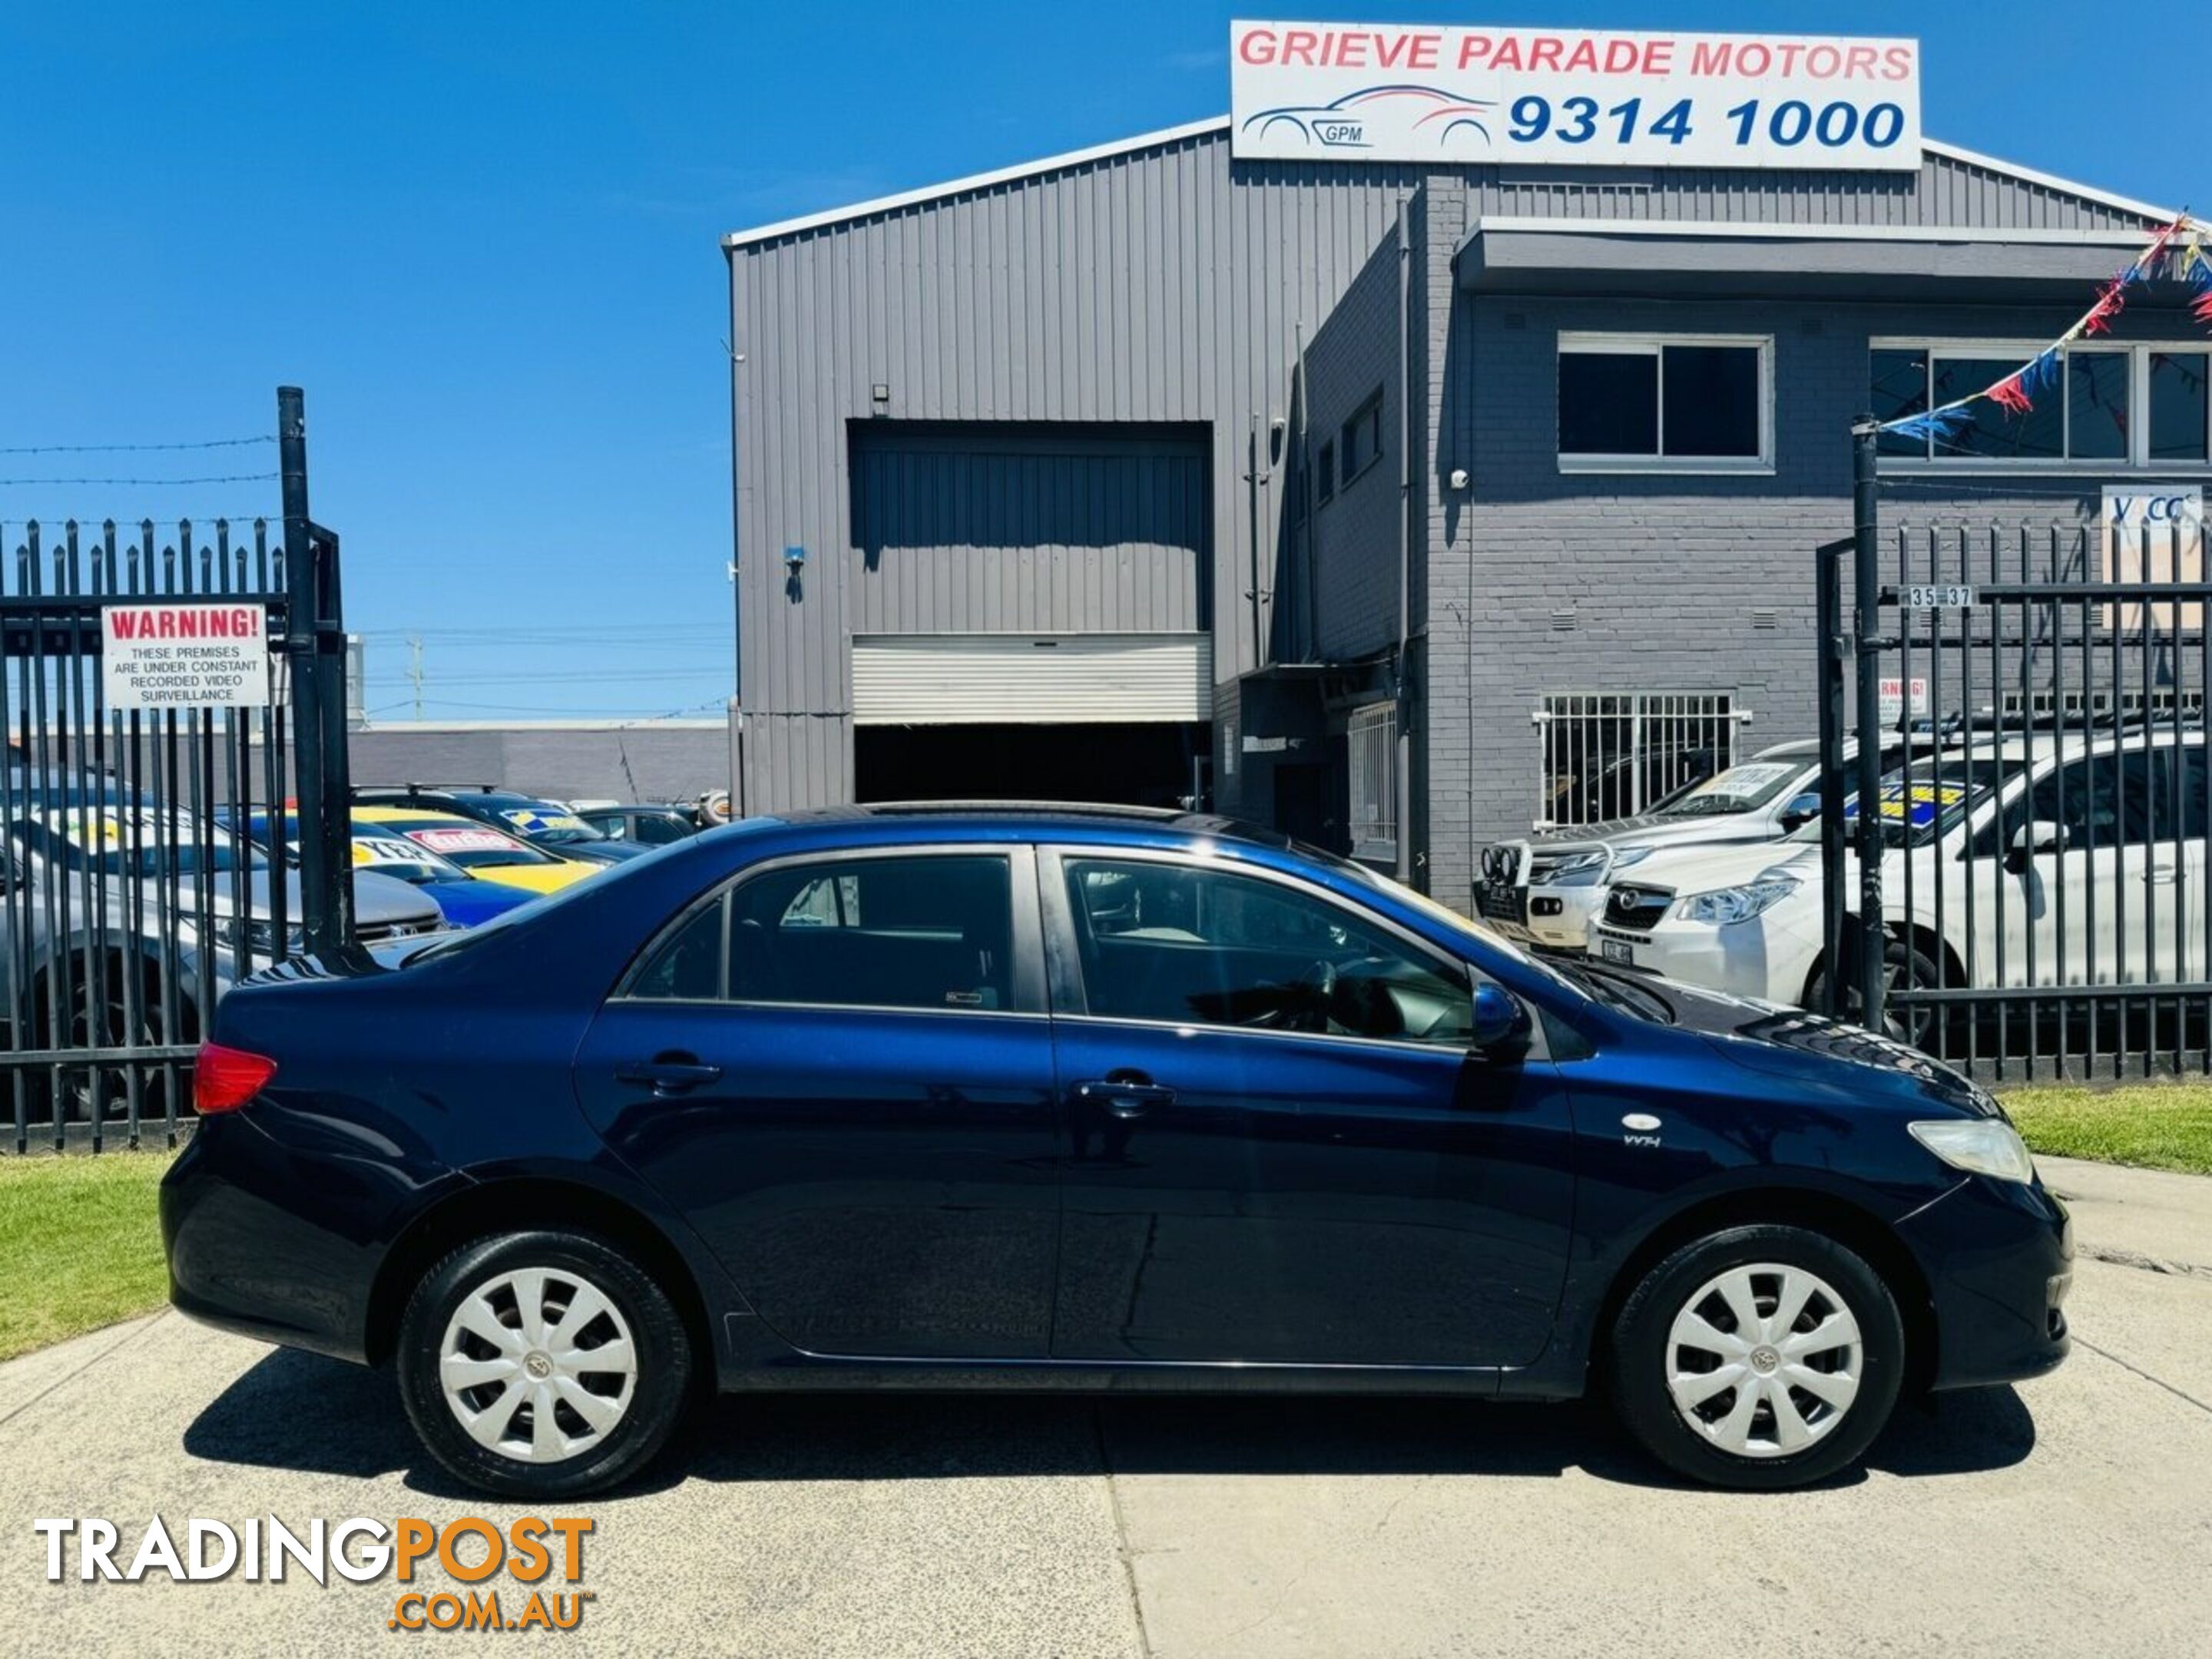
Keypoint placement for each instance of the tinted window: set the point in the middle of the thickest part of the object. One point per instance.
(653, 832)
(1608, 403)
(1711, 404)
(1325, 472)
(687, 965)
(2102, 801)
(2177, 394)
(2193, 811)
(1180, 945)
(2097, 405)
(926, 931)
(1996, 432)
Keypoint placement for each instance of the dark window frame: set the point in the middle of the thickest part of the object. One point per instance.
(1369, 415)
(2136, 355)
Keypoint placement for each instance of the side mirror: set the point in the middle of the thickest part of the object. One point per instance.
(1801, 810)
(2038, 835)
(1500, 1018)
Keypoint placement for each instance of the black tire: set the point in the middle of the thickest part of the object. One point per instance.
(1921, 1025)
(1642, 1363)
(656, 1395)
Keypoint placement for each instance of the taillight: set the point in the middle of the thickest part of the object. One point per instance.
(226, 1079)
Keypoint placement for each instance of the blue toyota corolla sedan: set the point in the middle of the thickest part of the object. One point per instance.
(946, 1096)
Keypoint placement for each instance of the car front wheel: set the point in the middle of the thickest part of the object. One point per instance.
(541, 1364)
(1759, 1357)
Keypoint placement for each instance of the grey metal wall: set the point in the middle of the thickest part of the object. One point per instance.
(1355, 536)
(1162, 284)
(565, 763)
(1017, 529)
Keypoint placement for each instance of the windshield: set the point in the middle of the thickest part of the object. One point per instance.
(1739, 789)
(403, 859)
(473, 846)
(1927, 805)
(543, 821)
(115, 840)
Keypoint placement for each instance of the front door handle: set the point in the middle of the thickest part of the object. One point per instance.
(2162, 875)
(668, 1074)
(1124, 1095)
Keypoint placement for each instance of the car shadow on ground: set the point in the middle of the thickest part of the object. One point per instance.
(295, 1411)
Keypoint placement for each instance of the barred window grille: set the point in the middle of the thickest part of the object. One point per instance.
(1371, 755)
(1612, 755)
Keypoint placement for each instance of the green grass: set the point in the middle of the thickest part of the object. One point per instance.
(2156, 1126)
(79, 1245)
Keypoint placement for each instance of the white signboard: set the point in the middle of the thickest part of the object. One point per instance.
(164, 655)
(2154, 532)
(1361, 92)
(1892, 699)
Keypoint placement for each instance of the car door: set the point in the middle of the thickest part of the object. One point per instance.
(840, 1069)
(1280, 1145)
(2075, 909)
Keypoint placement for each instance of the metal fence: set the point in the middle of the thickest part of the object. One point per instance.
(2031, 895)
(132, 895)
(1612, 755)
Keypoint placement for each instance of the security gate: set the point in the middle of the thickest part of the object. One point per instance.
(134, 893)
(2031, 895)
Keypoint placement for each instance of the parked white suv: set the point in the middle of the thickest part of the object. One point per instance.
(2031, 860)
(1550, 888)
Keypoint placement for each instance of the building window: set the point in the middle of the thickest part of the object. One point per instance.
(1631, 403)
(1361, 439)
(2113, 406)
(1325, 473)
(1612, 755)
(1371, 740)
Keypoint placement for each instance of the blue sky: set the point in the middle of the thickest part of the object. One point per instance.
(483, 237)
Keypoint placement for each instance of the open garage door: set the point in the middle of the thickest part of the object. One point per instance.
(1027, 597)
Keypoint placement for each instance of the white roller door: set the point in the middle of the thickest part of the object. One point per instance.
(1030, 679)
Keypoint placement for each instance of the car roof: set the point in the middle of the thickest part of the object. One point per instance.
(1042, 819)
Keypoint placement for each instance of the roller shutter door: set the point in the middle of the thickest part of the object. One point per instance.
(1031, 679)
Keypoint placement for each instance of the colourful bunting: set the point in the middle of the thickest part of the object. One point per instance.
(2017, 392)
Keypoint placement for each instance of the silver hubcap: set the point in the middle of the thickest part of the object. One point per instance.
(1764, 1360)
(538, 1365)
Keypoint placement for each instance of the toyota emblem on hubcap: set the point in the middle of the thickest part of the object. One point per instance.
(537, 1366)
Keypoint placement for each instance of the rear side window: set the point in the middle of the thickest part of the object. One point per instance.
(931, 931)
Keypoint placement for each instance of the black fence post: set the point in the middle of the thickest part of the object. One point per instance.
(1865, 540)
(1828, 625)
(319, 919)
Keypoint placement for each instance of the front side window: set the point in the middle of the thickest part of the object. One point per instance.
(926, 931)
(1626, 400)
(1189, 944)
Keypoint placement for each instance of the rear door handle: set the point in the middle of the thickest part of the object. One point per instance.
(2162, 874)
(1124, 1096)
(668, 1074)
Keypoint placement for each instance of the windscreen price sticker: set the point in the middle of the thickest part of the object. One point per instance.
(185, 656)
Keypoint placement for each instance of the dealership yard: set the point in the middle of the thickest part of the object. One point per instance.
(2067, 1516)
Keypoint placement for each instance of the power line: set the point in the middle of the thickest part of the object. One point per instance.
(159, 483)
(134, 449)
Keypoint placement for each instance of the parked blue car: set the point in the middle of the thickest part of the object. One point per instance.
(463, 898)
(1084, 1098)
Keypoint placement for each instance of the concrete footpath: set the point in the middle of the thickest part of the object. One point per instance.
(2069, 1517)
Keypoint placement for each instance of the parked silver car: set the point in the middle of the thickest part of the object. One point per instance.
(1551, 887)
(121, 921)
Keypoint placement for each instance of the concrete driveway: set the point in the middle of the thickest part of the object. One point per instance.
(2073, 1516)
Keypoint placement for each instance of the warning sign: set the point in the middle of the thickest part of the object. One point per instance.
(185, 656)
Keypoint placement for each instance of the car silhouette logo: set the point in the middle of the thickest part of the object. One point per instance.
(1344, 124)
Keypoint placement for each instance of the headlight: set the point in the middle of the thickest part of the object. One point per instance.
(260, 936)
(1985, 1146)
(1628, 855)
(1739, 903)
(1576, 870)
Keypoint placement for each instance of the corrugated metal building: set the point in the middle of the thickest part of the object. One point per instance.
(1144, 472)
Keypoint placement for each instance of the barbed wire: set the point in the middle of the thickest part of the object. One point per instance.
(133, 449)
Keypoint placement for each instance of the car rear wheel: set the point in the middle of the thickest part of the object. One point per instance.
(541, 1364)
(1757, 1358)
